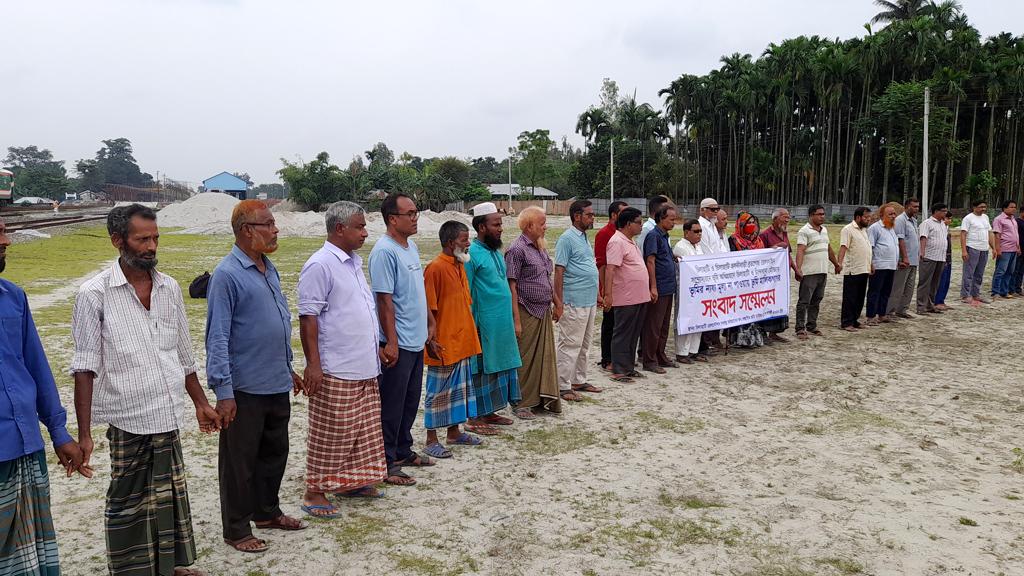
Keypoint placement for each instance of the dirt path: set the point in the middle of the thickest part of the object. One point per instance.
(62, 294)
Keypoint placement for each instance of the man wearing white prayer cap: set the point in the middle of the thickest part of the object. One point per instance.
(484, 208)
(710, 241)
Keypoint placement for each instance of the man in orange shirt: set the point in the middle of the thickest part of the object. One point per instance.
(454, 344)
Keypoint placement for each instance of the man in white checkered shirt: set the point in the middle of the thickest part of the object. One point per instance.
(132, 359)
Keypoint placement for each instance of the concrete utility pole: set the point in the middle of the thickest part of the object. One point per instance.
(510, 180)
(612, 170)
(924, 168)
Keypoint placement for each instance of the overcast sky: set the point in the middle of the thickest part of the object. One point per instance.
(201, 86)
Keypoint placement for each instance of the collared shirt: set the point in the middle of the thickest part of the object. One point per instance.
(601, 247)
(684, 248)
(906, 230)
(858, 250)
(665, 272)
(140, 357)
(332, 287)
(937, 234)
(531, 268)
(816, 251)
(977, 228)
(449, 299)
(711, 242)
(248, 329)
(29, 392)
(773, 239)
(885, 247)
(632, 285)
(492, 309)
(579, 282)
(648, 225)
(396, 270)
(1006, 227)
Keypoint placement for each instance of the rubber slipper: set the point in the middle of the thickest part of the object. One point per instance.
(524, 414)
(364, 492)
(310, 510)
(466, 440)
(482, 429)
(236, 543)
(571, 396)
(437, 450)
(416, 460)
(277, 524)
(621, 378)
(403, 479)
(587, 388)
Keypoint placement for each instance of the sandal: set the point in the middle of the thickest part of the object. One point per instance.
(237, 544)
(621, 378)
(482, 429)
(437, 450)
(802, 334)
(498, 420)
(817, 332)
(571, 396)
(466, 440)
(188, 572)
(636, 374)
(397, 477)
(416, 460)
(364, 492)
(587, 388)
(282, 522)
(313, 509)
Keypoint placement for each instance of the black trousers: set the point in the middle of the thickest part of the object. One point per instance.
(607, 329)
(400, 387)
(855, 287)
(251, 463)
(628, 322)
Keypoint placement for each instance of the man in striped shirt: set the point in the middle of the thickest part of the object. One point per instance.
(132, 359)
(813, 254)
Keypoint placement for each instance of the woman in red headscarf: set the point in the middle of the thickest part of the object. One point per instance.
(747, 236)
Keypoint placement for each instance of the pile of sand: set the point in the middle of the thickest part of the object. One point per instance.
(206, 210)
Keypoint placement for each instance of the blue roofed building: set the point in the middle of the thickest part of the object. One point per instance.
(227, 183)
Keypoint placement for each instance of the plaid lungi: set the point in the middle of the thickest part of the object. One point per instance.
(447, 395)
(148, 518)
(345, 448)
(492, 392)
(28, 543)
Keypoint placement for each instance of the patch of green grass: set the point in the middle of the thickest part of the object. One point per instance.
(853, 419)
(257, 572)
(964, 521)
(688, 502)
(356, 530)
(556, 440)
(42, 265)
(814, 428)
(1018, 461)
(652, 421)
(1012, 497)
(644, 538)
(843, 565)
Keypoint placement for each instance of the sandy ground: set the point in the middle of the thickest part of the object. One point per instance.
(890, 451)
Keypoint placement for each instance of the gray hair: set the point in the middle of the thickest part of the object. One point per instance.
(779, 212)
(340, 213)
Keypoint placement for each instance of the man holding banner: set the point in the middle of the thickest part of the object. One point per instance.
(626, 293)
(688, 345)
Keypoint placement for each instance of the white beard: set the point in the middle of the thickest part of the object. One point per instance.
(462, 256)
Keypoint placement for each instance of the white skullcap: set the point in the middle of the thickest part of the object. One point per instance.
(485, 208)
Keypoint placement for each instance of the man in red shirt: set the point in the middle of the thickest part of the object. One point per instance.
(777, 236)
(601, 253)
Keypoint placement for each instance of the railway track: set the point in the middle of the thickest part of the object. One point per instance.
(51, 222)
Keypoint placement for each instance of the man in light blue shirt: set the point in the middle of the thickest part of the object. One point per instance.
(652, 206)
(248, 366)
(904, 280)
(576, 281)
(396, 277)
(885, 252)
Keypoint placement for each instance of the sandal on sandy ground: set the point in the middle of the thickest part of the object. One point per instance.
(625, 379)
(188, 572)
(466, 440)
(415, 459)
(283, 522)
(437, 450)
(498, 420)
(524, 414)
(482, 429)
(324, 511)
(364, 492)
(261, 545)
(587, 388)
(570, 396)
(397, 477)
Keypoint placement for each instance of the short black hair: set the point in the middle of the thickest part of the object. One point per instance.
(689, 224)
(938, 207)
(389, 206)
(616, 207)
(662, 211)
(450, 231)
(911, 201)
(654, 203)
(626, 216)
(860, 211)
(478, 222)
(577, 207)
(119, 219)
(976, 202)
(814, 208)
(1006, 204)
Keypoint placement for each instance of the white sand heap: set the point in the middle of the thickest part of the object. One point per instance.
(210, 213)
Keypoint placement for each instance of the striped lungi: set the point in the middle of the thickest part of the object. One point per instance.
(447, 395)
(148, 519)
(28, 543)
(538, 376)
(492, 392)
(345, 447)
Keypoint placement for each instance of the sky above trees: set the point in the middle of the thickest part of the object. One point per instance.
(204, 86)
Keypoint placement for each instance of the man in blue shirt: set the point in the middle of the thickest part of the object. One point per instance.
(248, 366)
(576, 283)
(29, 397)
(662, 274)
(396, 277)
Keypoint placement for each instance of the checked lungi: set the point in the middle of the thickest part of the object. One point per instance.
(345, 448)
(148, 518)
(449, 395)
(28, 543)
(492, 392)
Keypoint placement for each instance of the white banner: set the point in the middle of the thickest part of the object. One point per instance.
(719, 291)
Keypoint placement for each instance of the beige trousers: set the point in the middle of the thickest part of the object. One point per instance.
(575, 332)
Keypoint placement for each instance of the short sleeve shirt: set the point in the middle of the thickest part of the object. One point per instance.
(1006, 227)
(977, 228)
(937, 234)
(665, 273)
(579, 282)
(448, 298)
(396, 270)
(816, 251)
(858, 250)
(906, 230)
(531, 268)
(631, 282)
(885, 246)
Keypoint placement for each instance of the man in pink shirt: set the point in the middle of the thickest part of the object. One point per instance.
(1007, 249)
(626, 293)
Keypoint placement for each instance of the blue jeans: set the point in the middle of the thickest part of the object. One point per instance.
(1003, 274)
(1018, 276)
(947, 274)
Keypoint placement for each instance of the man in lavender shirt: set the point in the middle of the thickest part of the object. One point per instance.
(338, 327)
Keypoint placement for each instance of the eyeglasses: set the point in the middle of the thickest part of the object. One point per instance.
(713, 208)
(411, 214)
(818, 214)
(697, 231)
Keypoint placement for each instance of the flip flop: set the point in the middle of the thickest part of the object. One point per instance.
(416, 460)
(236, 543)
(403, 478)
(587, 388)
(636, 374)
(570, 396)
(482, 429)
(625, 379)
(466, 440)
(310, 510)
(277, 524)
(498, 420)
(437, 450)
(364, 492)
(524, 414)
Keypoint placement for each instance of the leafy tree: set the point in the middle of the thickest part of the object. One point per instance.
(244, 176)
(36, 173)
(315, 183)
(114, 164)
(534, 150)
(279, 191)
